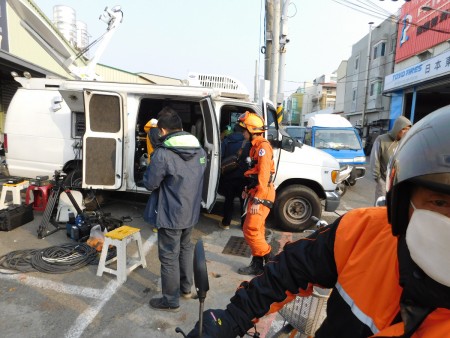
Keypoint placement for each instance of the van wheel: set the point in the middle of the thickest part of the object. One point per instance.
(73, 179)
(294, 207)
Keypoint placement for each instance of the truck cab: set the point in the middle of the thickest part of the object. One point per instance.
(336, 136)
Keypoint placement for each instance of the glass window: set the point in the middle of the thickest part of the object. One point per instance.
(379, 50)
(375, 88)
(336, 139)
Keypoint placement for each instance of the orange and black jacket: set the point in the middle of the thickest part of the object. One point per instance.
(356, 257)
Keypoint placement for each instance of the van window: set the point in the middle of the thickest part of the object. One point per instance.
(229, 115)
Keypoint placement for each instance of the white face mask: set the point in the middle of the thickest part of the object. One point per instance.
(428, 240)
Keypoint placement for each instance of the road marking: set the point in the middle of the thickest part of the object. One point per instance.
(86, 318)
(102, 295)
(54, 286)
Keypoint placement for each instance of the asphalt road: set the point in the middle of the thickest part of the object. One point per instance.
(81, 304)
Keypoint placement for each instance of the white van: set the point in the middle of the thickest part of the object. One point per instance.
(94, 132)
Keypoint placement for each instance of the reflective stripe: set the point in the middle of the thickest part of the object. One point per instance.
(355, 309)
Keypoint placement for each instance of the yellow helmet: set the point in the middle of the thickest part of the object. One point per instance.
(252, 122)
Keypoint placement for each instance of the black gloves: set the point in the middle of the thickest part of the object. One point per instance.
(216, 324)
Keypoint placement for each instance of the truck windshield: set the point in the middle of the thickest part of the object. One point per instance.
(336, 139)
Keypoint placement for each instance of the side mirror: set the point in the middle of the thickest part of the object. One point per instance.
(200, 271)
(289, 144)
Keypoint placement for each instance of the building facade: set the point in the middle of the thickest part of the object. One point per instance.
(371, 60)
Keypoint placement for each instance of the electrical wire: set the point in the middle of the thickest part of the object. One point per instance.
(56, 259)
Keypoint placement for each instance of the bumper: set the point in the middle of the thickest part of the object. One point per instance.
(331, 201)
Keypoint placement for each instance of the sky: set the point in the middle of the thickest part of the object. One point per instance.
(174, 37)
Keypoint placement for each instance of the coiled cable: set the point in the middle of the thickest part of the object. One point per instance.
(56, 259)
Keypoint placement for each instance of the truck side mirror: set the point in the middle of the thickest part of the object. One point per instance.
(289, 144)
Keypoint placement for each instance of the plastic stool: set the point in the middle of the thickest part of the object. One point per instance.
(14, 189)
(120, 238)
(38, 196)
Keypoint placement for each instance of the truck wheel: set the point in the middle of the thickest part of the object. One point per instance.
(294, 207)
(73, 179)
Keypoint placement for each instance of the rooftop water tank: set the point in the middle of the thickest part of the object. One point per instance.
(82, 36)
(64, 18)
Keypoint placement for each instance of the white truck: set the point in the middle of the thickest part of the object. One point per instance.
(94, 132)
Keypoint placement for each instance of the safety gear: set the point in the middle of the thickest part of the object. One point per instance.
(256, 267)
(252, 122)
(261, 154)
(422, 159)
(429, 248)
(216, 324)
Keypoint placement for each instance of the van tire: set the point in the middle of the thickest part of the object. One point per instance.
(73, 179)
(294, 207)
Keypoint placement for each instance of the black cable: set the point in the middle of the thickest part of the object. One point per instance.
(64, 258)
(17, 261)
(56, 259)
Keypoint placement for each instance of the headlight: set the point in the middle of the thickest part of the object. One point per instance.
(360, 159)
(334, 176)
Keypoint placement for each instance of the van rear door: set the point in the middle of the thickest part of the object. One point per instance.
(103, 140)
(212, 148)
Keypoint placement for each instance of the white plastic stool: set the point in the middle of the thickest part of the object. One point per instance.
(14, 189)
(120, 238)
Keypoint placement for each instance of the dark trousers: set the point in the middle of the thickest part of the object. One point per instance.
(232, 188)
(175, 252)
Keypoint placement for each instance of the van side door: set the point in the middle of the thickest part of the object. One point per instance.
(212, 147)
(103, 140)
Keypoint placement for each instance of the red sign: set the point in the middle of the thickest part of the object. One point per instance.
(419, 30)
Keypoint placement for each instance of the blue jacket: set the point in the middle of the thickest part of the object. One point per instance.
(230, 146)
(176, 170)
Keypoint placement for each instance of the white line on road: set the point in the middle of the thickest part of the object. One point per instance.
(102, 295)
(86, 318)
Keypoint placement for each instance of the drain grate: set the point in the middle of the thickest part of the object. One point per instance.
(237, 246)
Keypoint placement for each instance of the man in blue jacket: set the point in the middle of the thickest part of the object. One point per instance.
(176, 168)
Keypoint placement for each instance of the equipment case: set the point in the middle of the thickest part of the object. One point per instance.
(15, 215)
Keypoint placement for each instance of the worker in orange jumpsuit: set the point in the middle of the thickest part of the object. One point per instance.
(259, 194)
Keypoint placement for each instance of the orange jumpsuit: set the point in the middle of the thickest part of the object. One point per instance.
(261, 153)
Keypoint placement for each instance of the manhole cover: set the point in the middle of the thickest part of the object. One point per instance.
(237, 246)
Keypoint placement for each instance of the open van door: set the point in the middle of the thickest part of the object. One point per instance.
(212, 148)
(103, 140)
(272, 134)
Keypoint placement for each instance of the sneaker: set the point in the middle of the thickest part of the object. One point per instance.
(224, 226)
(161, 305)
(189, 295)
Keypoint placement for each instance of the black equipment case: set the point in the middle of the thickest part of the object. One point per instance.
(15, 215)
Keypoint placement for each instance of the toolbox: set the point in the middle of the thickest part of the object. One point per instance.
(15, 215)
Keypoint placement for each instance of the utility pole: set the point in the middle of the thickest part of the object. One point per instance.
(283, 41)
(269, 37)
(275, 52)
(369, 50)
